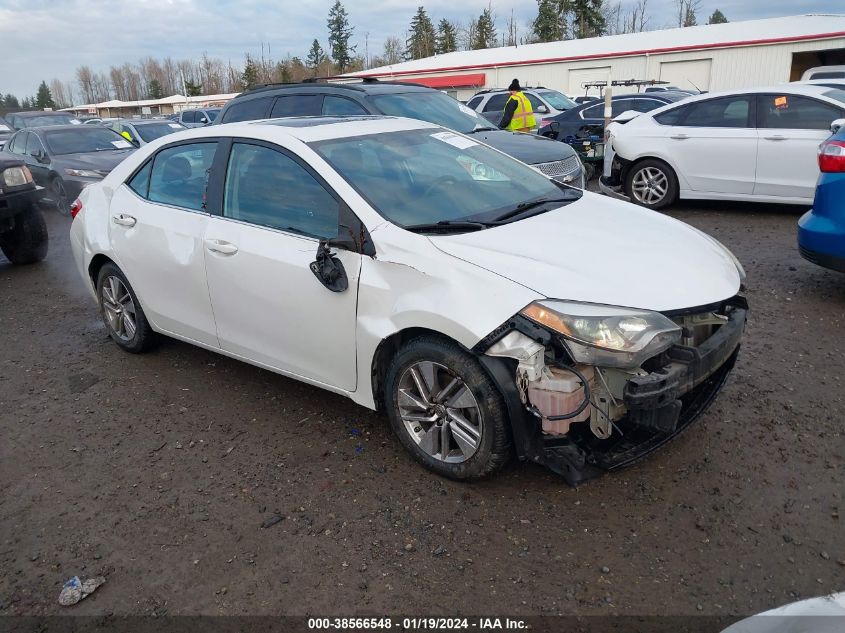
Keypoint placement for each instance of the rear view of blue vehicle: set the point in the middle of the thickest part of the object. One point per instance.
(821, 231)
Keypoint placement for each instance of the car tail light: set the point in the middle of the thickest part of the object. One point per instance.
(832, 156)
(75, 208)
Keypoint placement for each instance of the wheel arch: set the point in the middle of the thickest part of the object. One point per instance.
(96, 264)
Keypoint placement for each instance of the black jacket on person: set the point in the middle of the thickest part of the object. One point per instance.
(507, 116)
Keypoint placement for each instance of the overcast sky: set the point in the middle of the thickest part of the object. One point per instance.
(46, 39)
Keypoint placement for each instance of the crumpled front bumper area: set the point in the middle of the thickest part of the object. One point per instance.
(660, 405)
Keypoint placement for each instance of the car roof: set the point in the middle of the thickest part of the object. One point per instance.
(30, 113)
(366, 87)
(49, 129)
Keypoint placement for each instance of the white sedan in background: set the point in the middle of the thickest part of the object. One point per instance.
(485, 307)
(757, 145)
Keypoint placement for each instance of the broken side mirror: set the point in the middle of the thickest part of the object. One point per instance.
(352, 236)
(329, 269)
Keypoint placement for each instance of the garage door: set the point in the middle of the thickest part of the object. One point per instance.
(577, 77)
(693, 73)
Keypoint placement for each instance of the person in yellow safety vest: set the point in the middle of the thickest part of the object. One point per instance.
(518, 115)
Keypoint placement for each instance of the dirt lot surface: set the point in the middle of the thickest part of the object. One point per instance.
(157, 471)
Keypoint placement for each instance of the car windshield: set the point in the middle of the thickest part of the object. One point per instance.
(557, 100)
(151, 131)
(84, 139)
(434, 107)
(430, 176)
(212, 114)
(838, 95)
(48, 119)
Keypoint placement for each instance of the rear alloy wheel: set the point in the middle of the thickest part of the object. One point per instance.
(652, 184)
(446, 410)
(59, 194)
(122, 313)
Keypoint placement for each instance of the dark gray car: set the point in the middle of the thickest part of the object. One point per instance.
(39, 118)
(65, 158)
(405, 100)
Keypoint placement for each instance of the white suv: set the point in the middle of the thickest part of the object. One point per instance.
(545, 103)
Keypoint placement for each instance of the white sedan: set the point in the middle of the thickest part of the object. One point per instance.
(484, 307)
(757, 145)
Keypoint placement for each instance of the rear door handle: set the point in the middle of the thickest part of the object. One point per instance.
(124, 220)
(219, 246)
(679, 137)
(776, 137)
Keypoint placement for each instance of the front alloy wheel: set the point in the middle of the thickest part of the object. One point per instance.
(439, 412)
(445, 409)
(652, 183)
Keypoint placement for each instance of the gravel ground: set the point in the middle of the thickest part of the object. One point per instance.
(157, 472)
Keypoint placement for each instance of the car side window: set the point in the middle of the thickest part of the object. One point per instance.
(723, 112)
(534, 101)
(497, 102)
(473, 103)
(341, 106)
(33, 145)
(140, 182)
(646, 105)
(296, 105)
(673, 116)
(249, 110)
(791, 112)
(622, 105)
(179, 175)
(189, 117)
(269, 188)
(18, 143)
(594, 112)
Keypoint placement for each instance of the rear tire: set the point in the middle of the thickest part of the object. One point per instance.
(446, 410)
(122, 313)
(652, 184)
(28, 241)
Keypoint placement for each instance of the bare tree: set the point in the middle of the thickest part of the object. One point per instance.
(511, 37)
(634, 20)
(394, 50)
(686, 10)
(85, 78)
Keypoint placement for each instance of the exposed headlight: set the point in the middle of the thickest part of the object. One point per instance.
(606, 335)
(17, 176)
(83, 173)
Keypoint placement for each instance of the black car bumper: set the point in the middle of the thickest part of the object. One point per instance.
(660, 406)
(14, 202)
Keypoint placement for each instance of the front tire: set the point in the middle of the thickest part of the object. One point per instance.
(59, 195)
(651, 183)
(446, 410)
(122, 312)
(27, 242)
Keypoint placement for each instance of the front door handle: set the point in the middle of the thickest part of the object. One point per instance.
(124, 220)
(776, 137)
(222, 247)
(679, 137)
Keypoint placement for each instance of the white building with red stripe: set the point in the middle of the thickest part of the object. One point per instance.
(708, 57)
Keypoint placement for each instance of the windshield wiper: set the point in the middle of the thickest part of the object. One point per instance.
(483, 128)
(447, 226)
(524, 207)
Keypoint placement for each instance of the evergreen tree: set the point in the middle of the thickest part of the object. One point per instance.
(249, 77)
(447, 37)
(587, 18)
(193, 90)
(717, 18)
(154, 90)
(43, 98)
(283, 73)
(26, 104)
(11, 102)
(547, 26)
(485, 30)
(315, 57)
(422, 39)
(339, 34)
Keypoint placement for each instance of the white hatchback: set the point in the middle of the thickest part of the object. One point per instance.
(752, 145)
(486, 308)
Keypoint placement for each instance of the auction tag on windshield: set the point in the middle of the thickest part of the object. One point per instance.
(453, 139)
(467, 110)
(175, 126)
(121, 144)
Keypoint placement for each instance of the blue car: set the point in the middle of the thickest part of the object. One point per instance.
(821, 231)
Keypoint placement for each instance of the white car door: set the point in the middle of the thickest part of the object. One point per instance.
(790, 128)
(713, 145)
(269, 306)
(157, 224)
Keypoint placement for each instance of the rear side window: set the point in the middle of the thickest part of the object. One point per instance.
(296, 105)
(249, 110)
(341, 106)
(179, 175)
(189, 117)
(497, 102)
(730, 112)
(671, 117)
(140, 182)
(18, 143)
(473, 103)
(791, 112)
(594, 112)
(33, 145)
(269, 188)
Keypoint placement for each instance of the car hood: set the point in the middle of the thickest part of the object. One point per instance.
(99, 161)
(600, 250)
(529, 148)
